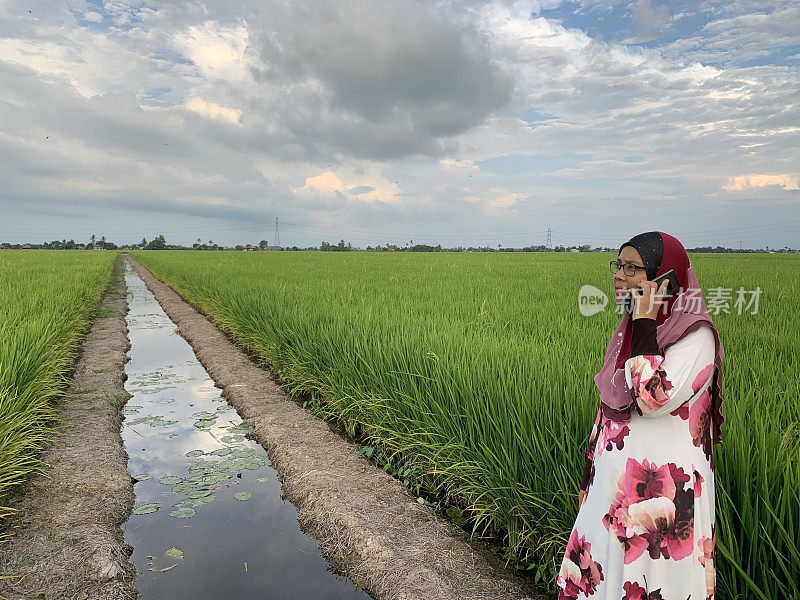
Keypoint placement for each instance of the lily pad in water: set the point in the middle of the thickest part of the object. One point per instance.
(204, 414)
(170, 480)
(242, 496)
(146, 509)
(214, 478)
(195, 501)
(199, 494)
(153, 421)
(195, 453)
(183, 513)
(232, 439)
(221, 451)
(174, 552)
(243, 428)
(182, 488)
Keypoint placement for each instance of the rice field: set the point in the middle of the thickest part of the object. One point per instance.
(47, 301)
(474, 373)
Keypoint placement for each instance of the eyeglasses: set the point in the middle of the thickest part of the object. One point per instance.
(628, 268)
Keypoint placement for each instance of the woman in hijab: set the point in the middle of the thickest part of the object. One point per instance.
(645, 524)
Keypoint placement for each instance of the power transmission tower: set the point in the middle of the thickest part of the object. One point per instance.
(549, 239)
(277, 237)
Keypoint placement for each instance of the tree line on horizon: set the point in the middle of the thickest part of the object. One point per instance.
(160, 243)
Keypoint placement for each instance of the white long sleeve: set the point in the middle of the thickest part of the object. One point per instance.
(660, 384)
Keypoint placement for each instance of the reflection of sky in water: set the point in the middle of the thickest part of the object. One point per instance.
(176, 410)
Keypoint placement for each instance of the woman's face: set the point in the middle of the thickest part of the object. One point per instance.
(622, 282)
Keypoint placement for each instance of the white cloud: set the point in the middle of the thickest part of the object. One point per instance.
(218, 51)
(324, 182)
(213, 110)
(742, 182)
(741, 32)
(497, 199)
(451, 164)
(363, 183)
(84, 185)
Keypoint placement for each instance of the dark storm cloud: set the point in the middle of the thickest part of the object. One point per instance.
(374, 79)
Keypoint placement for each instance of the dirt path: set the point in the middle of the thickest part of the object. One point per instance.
(368, 525)
(67, 541)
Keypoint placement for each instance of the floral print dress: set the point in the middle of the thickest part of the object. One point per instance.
(645, 530)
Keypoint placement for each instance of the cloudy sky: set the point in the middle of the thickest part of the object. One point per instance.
(475, 123)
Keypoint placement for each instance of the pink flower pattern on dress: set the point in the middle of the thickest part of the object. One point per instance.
(700, 423)
(699, 415)
(649, 383)
(579, 573)
(652, 511)
(633, 591)
(614, 434)
(698, 484)
(709, 561)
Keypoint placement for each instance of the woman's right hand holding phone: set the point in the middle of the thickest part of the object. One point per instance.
(648, 302)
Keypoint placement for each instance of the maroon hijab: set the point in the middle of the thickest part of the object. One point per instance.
(685, 312)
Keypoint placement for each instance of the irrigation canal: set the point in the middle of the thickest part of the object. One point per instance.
(209, 520)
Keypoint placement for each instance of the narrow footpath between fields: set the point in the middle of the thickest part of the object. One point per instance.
(67, 540)
(368, 525)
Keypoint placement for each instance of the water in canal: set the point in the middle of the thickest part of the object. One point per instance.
(209, 520)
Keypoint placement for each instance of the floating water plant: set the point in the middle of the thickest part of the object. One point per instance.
(241, 429)
(170, 480)
(198, 494)
(221, 451)
(232, 439)
(146, 509)
(153, 421)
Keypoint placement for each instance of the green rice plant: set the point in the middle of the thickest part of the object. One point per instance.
(47, 301)
(477, 369)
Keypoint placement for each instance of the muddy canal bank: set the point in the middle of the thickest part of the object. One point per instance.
(67, 541)
(368, 525)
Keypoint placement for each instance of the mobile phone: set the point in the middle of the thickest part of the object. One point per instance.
(672, 287)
